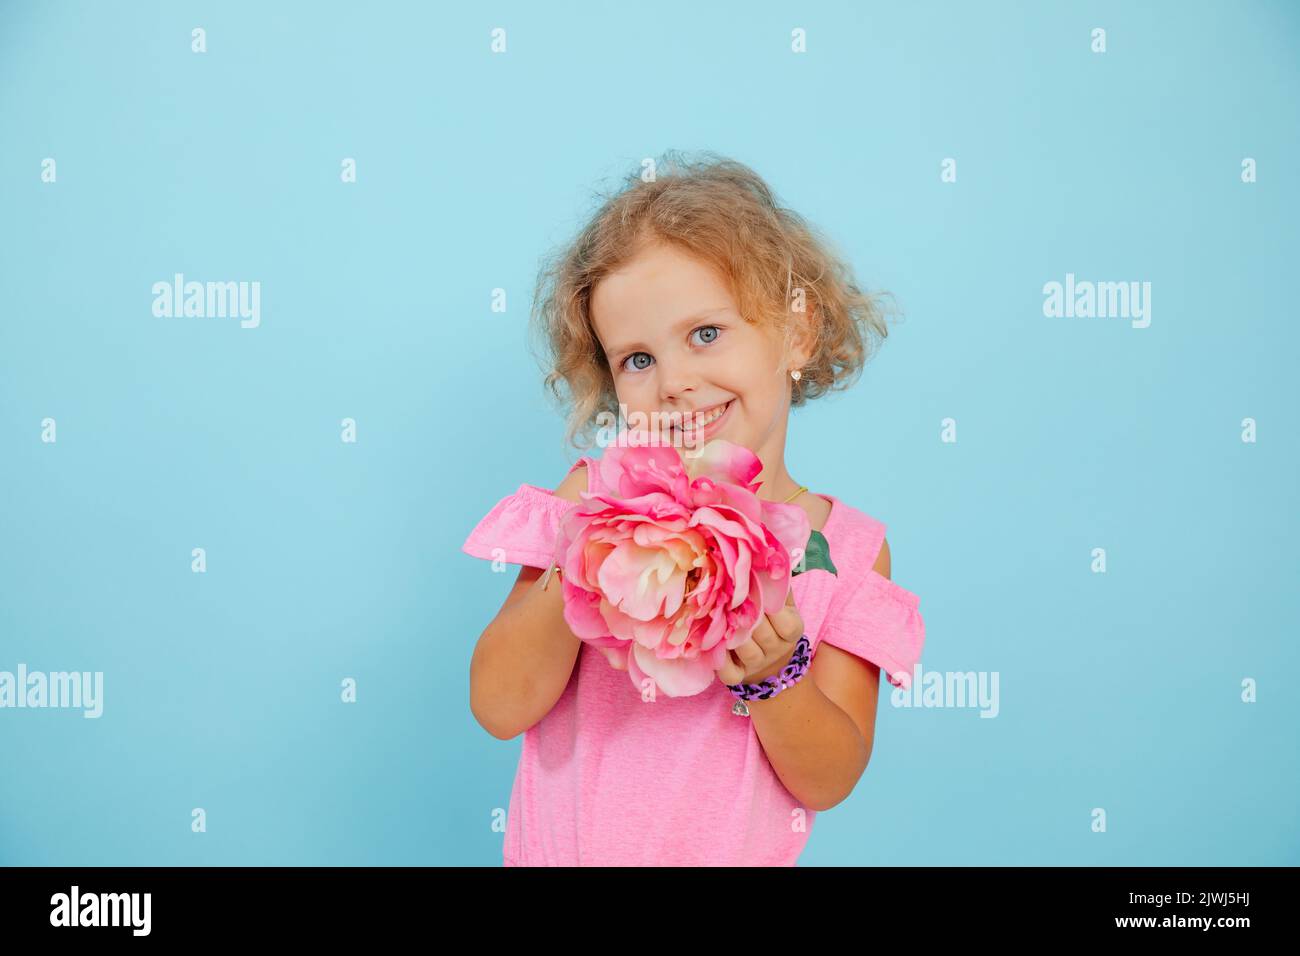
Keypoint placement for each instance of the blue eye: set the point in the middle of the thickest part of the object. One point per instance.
(638, 366)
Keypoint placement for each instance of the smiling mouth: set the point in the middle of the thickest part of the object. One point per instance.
(694, 423)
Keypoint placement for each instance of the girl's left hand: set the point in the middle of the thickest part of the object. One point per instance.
(768, 649)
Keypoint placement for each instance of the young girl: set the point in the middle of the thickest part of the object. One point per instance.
(692, 294)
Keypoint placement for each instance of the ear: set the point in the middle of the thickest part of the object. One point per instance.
(803, 336)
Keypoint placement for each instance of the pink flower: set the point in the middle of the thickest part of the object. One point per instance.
(669, 563)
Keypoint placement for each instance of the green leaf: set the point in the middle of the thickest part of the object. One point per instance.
(816, 555)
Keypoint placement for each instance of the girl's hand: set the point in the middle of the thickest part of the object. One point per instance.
(768, 649)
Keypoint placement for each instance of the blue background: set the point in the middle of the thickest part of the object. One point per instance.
(329, 560)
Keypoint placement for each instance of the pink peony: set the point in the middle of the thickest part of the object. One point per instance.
(669, 563)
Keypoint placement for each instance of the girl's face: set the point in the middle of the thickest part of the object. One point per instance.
(677, 346)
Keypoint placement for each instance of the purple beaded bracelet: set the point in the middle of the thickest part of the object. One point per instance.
(771, 686)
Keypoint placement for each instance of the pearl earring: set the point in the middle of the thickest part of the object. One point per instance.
(796, 374)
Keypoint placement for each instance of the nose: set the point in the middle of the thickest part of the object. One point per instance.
(675, 384)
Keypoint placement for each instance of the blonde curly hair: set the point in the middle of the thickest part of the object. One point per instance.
(724, 214)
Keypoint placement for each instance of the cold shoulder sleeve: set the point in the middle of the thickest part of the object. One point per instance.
(521, 528)
(872, 617)
(881, 622)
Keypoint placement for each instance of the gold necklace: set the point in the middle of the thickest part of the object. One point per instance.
(802, 489)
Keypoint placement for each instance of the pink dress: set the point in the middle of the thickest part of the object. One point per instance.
(605, 779)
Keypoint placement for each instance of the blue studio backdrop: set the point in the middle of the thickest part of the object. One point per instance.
(1097, 506)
